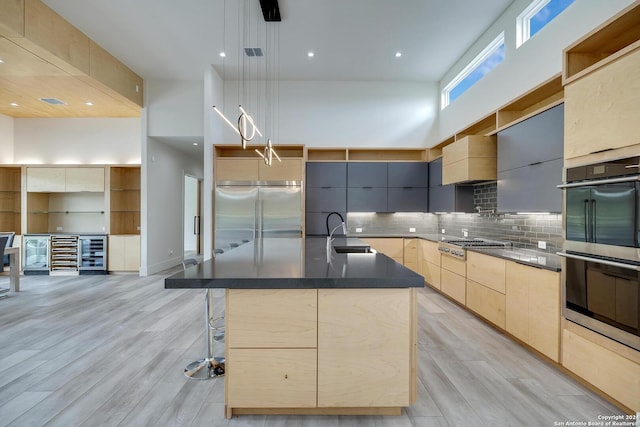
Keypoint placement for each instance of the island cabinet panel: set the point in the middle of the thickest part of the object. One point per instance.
(533, 307)
(487, 302)
(262, 318)
(272, 378)
(366, 347)
(486, 270)
(608, 95)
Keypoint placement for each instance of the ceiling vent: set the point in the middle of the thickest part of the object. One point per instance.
(253, 51)
(53, 101)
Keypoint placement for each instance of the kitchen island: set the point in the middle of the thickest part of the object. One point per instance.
(308, 333)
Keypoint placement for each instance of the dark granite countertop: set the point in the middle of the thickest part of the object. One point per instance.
(524, 256)
(296, 263)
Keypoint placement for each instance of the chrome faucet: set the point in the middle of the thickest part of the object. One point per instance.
(330, 233)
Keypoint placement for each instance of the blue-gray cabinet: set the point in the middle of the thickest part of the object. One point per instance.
(326, 191)
(367, 199)
(435, 172)
(407, 186)
(367, 187)
(530, 160)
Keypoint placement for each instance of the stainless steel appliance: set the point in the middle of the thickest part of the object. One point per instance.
(457, 248)
(246, 210)
(602, 232)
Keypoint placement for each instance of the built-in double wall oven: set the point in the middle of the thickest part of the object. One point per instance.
(602, 248)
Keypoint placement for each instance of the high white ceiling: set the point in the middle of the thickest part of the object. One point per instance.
(351, 39)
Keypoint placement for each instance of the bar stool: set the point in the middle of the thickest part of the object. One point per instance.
(210, 366)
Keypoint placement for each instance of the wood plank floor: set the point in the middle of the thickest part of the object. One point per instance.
(110, 351)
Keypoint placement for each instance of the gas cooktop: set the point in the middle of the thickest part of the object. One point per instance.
(477, 243)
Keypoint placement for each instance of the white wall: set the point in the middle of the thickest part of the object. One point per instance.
(77, 141)
(6, 139)
(352, 114)
(165, 170)
(537, 60)
(175, 108)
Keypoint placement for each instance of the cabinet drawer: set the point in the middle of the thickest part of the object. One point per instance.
(430, 252)
(454, 265)
(261, 318)
(391, 247)
(271, 378)
(453, 285)
(486, 270)
(486, 302)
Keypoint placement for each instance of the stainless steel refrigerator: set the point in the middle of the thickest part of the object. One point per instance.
(245, 211)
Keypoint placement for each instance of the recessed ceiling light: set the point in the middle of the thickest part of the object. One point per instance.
(1, 61)
(310, 54)
(88, 103)
(14, 104)
(222, 55)
(195, 144)
(398, 54)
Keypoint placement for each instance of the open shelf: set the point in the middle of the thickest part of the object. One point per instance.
(235, 150)
(485, 126)
(10, 199)
(542, 97)
(125, 200)
(387, 155)
(326, 154)
(614, 38)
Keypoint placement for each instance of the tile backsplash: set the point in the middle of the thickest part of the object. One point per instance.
(524, 230)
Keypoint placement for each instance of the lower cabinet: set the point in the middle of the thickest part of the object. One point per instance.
(320, 348)
(487, 302)
(429, 263)
(410, 255)
(124, 252)
(391, 247)
(533, 307)
(453, 279)
(272, 377)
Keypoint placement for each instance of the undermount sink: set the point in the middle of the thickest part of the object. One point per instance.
(354, 250)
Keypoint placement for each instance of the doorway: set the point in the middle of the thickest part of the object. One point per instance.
(191, 227)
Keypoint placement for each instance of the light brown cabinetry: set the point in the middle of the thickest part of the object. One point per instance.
(314, 350)
(486, 287)
(10, 199)
(608, 365)
(471, 158)
(234, 164)
(453, 278)
(410, 255)
(391, 247)
(533, 307)
(608, 95)
(60, 180)
(125, 200)
(429, 262)
(124, 253)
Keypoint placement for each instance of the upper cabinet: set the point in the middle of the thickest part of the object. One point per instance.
(60, 180)
(407, 186)
(601, 74)
(367, 187)
(530, 164)
(232, 163)
(472, 158)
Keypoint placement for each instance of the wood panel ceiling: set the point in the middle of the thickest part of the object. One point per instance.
(25, 78)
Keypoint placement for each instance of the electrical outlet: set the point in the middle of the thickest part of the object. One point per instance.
(443, 231)
(465, 233)
(542, 244)
(58, 228)
(358, 230)
(412, 229)
(170, 251)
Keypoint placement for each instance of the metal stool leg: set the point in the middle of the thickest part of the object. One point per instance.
(210, 366)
